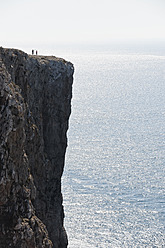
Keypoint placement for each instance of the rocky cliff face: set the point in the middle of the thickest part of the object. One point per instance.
(35, 105)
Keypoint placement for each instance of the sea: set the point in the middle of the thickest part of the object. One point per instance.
(114, 178)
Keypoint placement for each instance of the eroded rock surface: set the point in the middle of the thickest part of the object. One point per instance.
(35, 105)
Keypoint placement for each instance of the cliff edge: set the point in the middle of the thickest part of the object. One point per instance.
(35, 105)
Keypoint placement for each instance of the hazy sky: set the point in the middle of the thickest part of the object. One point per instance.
(81, 21)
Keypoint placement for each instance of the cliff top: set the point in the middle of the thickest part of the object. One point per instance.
(57, 64)
(46, 58)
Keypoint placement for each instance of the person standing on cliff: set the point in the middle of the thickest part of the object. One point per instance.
(32, 52)
(36, 52)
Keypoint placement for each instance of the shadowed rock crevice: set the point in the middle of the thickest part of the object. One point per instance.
(35, 105)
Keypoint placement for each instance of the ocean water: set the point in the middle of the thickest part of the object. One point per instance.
(114, 179)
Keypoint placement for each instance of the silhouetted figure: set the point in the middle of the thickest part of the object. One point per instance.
(36, 52)
(32, 52)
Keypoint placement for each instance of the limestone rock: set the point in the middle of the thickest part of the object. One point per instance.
(35, 105)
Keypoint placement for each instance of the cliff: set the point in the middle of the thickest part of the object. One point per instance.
(35, 105)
